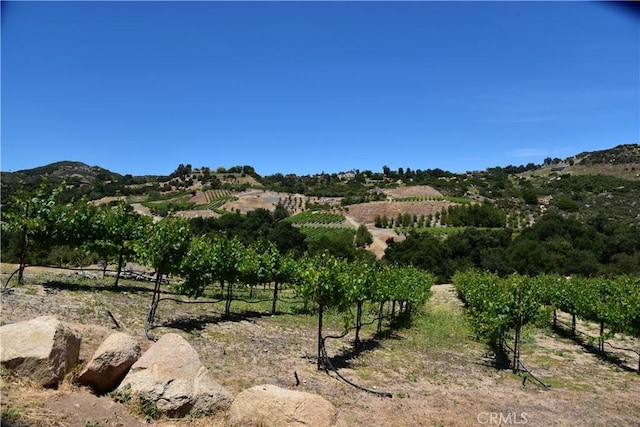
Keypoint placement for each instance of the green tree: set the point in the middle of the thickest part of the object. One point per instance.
(420, 250)
(339, 245)
(287, 238)
(530, 196)
(363, 237)
(567, 204)
(280, 213)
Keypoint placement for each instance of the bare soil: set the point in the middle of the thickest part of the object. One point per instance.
(367, 212)
(412, 191)
(251, 200)
(364, 213)
(439, 375)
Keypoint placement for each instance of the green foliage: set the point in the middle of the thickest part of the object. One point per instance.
(341, 284)
(363, 237)
(496, 305)
(621, 154)
(556, 244)
(34, 214)
(121, 395)
(199, 267)
(482, 215)
(217, 198)
(256, 225)
(164, 244)
(530, 196)
(590, 229)
(165, 208)
(421, 251)
(409, 284)
(567, 204)
(32, 218)
(13, 416)
(316, 217)
(112, 232)
(333, 240)
(280, 213)
(611, 300)
(453, 199)
(479, 248)
(319, 280)
(148, 409)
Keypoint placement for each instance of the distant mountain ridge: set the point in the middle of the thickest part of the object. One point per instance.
(624, 154)
(587, 187)
(63, 170)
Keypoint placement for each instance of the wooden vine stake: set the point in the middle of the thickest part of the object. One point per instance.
(601, 340)
(320, 311)
(23, 245)
(516, 344)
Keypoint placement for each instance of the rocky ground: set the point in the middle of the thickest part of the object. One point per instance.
(438, 374)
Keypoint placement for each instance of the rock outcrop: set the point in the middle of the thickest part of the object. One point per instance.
(272, 406)
(171, 375)
(43, 349)
(110, 362)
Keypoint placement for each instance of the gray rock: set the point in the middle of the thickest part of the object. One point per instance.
(171, 375)
(110, 362)
(43, 349)
(272, 406)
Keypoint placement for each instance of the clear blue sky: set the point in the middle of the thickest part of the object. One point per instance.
(301, 87)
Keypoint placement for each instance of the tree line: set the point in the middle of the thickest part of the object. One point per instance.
(78, 232)
(553, 244)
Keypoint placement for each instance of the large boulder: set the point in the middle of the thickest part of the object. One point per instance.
(110, 362)
(43, 349)
(171, 375)
(272, 406)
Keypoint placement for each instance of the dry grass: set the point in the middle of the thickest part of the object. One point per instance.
(435, 369)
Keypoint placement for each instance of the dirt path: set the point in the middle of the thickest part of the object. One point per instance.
(380, 236)
(143, 210)
(444, 295)
(436, 369)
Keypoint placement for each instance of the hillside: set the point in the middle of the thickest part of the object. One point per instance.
(622, 162)
(75, 173)
(391, 204)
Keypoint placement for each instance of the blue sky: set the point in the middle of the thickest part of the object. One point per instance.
(307, 87)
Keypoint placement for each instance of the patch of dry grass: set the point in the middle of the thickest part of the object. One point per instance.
(435, 368)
